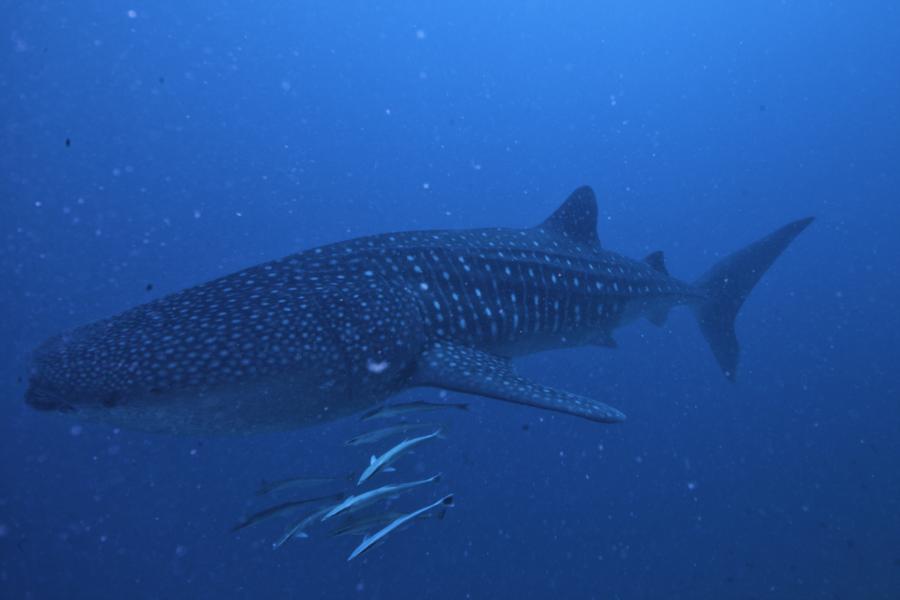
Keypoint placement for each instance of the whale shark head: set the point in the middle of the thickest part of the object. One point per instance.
(58, 383)
(281, 345)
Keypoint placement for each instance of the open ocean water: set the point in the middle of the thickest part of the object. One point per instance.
(150, 146)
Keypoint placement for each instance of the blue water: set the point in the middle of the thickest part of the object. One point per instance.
(148, 146)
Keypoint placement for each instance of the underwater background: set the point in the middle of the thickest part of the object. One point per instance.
(149, 146)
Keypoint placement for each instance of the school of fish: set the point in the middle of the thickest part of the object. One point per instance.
(373, 525)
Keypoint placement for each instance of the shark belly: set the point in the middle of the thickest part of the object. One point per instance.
(276, 403)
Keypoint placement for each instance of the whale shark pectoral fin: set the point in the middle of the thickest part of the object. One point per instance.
(464, 369)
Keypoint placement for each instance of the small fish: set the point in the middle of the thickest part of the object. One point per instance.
(267, 487)
(380, 462)
(280, 509)
(370, 540)
(399, 410)
(365, 524)
(298, 528)
(366, 498)
(370, 437)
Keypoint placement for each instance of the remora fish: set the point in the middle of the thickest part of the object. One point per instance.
(267, 487)
(335, 330)
(378, 463)
(298, 529)
(398, 410)
(370, 437)
(370, 540)
(280, 509)
(366, 498)
(366, 524)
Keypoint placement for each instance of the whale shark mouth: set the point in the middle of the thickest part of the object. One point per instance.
(43, 398)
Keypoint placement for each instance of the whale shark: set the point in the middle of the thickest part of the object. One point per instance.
(339, 329)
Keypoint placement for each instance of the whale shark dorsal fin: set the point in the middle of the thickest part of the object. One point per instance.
(576, 219)
(657, 262)
(463, 369)
(372, 460)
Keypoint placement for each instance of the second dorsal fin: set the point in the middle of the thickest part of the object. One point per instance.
(657, 262)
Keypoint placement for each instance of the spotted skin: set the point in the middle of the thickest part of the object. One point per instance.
(334, 330)
(467, 369)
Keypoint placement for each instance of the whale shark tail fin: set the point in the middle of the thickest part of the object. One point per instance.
(728, 283)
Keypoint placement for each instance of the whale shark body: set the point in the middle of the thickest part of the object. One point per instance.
(335, 330)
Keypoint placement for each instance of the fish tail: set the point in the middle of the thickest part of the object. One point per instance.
(728, 283)
(239, 526)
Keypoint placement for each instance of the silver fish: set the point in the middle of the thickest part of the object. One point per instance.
(267, 487)
(298, 528)
(370, 437)
(366, 498)
(365, 524)
(405, 408)
(370, 540)
(377, 463)
(280, 509)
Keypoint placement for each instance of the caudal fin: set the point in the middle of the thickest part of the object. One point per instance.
(728, 283)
